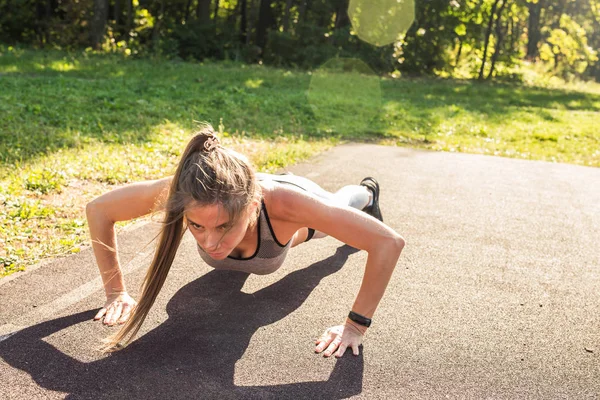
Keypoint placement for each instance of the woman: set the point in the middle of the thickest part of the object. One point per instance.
(245, 221)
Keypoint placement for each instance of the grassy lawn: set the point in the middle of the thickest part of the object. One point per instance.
(73, 126)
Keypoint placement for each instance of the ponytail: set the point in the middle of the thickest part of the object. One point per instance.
(202, 145)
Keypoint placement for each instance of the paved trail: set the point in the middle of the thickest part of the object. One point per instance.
(496, 295)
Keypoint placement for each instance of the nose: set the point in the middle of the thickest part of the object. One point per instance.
(210, 241)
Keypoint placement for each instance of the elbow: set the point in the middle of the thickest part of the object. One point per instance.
(91, 209)
(91, 213)
(95, 212)
(397, 245)
(390, 248)
(400, 243)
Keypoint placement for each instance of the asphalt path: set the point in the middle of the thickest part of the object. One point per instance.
(496, 295)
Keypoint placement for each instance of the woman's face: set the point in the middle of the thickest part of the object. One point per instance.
(213, 230)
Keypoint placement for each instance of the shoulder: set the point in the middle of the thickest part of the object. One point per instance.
(288, 202)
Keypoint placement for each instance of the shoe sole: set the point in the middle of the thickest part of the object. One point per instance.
(373, 210)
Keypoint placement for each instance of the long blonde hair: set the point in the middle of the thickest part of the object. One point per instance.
(207, 174)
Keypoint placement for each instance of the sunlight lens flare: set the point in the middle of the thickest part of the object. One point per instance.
(381, 22)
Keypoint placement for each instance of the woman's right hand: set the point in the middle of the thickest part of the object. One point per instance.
(116, 309)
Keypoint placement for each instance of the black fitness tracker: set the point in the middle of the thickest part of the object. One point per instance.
(359, 319)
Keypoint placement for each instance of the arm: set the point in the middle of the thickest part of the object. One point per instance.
(123, 204)
(354, 228)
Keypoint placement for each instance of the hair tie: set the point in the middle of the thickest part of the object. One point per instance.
(211, 143)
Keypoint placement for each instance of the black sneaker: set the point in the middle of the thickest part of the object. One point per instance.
(373, 186)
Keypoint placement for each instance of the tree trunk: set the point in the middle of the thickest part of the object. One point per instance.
(595, 11)
(244, 21)
(186, 15)
(98, 25)
(217, 4)
(500, 37)
(252, 16)
(49, 9)
(129, 23)
(203, 11)
(512, 35)
(117, 13)
(322, 17)
(460, 47)
(46, 20)
(41, 9)
(488, 33)
(286, 15)
(533, 32)
(341, 14)
(266, 20)
(302, 11)
(158, 24)
(232, 15)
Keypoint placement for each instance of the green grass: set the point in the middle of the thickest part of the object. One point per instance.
(524, 122)
(74, 125)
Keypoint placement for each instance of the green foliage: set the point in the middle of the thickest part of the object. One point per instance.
(10, 264)
(567, 49)
(44, 180)
(447, 38)
(311, 46)
(26, 209)
(51, 24)
(421, 50)
(197, 41)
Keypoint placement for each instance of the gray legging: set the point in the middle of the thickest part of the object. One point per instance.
(355, 196)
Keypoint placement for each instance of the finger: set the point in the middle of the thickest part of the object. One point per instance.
(125, 313)
(115, 314)
(334, 345)
(355, 349)
(100, 313)
(109, 312)
(324, 343)
(118, 313)
(323, 337)
(341, 350)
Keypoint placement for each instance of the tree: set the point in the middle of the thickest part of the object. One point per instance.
(423, 49)
(203, 11)
(488, 34)
(533, 29)
(341, 14)
(499, 38)
(287, 14)
(98, 23)
(244, 21)
(266, 21)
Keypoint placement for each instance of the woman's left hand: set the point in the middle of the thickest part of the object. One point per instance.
(339, 338)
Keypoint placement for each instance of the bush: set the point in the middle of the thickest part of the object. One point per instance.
(199, 41)
(311, 45)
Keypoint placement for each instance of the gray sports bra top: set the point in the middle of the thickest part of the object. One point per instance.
(267, 258)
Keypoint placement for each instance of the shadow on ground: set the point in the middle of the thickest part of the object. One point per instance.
(193, 353)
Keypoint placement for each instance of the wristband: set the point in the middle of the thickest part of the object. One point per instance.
(359, 319)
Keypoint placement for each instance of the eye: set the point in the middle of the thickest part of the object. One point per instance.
(195, 226)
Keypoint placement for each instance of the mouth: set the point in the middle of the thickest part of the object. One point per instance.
(213, 255)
